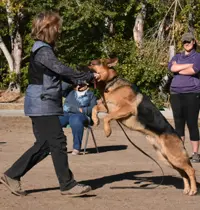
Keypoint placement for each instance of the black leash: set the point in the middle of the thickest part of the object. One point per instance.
(143, 152)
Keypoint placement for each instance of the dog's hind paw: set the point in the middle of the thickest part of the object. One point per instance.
(193, 192)
(186, 191)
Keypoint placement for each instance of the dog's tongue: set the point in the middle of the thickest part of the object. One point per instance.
(95, 84)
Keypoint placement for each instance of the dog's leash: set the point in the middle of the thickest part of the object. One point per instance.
(143, 152)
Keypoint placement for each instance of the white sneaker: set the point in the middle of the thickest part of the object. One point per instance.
(75, 152)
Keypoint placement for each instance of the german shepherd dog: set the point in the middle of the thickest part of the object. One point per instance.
(137, 112)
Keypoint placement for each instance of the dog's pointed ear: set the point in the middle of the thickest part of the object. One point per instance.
(112, 62)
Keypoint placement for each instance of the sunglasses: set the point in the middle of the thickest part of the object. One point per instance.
(187, 42)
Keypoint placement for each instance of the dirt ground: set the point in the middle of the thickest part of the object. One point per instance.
(118, 165)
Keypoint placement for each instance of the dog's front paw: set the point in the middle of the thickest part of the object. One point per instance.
(95, 121)
(107, 131)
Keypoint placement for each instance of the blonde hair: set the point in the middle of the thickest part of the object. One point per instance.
(46, 27)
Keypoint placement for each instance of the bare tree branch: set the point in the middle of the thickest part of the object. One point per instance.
(6, 54)
(173, 22)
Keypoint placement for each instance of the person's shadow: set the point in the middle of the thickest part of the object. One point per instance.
(138, 182)
(99, 182)
(1, 143)
(106, 148)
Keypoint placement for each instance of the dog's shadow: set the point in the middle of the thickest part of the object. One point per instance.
(133, 175)
(102, 149)
(143, 182)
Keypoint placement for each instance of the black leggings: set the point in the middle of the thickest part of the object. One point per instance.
(185, 109)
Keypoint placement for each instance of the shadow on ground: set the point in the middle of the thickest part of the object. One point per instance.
(138, 182)
(2, 142)
(100, 182)
(105, 149)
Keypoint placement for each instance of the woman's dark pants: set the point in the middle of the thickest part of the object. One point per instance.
(185, 109)
(49, 138)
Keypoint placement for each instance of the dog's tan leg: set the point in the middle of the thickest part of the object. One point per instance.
(165, 160)
(185, 181)
(125, 111)
(172, 148)
(176, 154)
(187, 172)
(191, 174)
(98, 108)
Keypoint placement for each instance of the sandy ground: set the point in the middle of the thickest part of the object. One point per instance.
(118, 165)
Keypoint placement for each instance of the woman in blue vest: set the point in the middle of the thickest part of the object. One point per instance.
(185, 92)
(43, 104)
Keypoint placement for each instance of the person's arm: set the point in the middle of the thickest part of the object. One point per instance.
(66, 88)
(67, 107)
(46, 57)
(174, 67)
(180, 67)
(187, 71)
(194, 69)
(172, 61)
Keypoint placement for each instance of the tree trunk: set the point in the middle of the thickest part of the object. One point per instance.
(16, 46)
(6, 54)
(138, 30)
(191, 16)
(108, 23)
(17, 52)
(15, 56)
(171, 51)
(161, 31)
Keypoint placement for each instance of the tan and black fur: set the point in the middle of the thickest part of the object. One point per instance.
(137, 112)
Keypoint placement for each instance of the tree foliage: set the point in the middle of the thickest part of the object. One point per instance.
(104, 28)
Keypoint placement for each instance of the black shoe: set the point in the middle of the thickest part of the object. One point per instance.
(195, 158)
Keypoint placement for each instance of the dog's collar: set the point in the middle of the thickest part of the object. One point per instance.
(110, 83)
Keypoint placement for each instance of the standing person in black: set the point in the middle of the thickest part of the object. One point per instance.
(43, 104)
(185, 92)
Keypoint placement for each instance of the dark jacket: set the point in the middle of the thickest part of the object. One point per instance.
(87, 101)
(44, 92)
